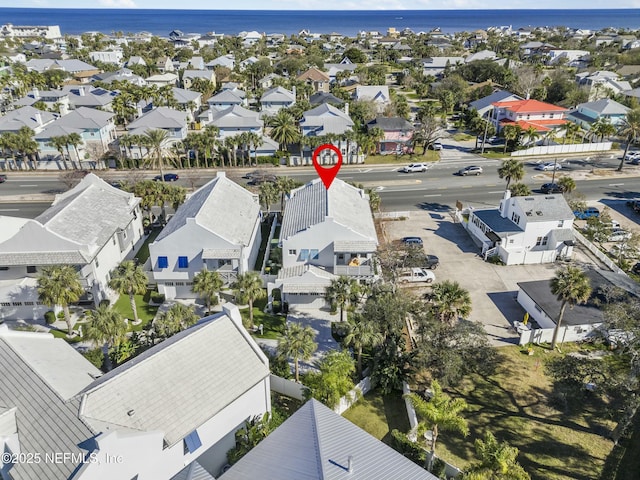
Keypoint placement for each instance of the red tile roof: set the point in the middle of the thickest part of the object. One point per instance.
(539, 125)
(529, 106)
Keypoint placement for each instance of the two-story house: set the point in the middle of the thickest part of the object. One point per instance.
(91, 97)
(602, 83)
(436, 66)
(171, 411)
(398, 133)
(232, 121)
(76, 230)
(325, 233)
(585, 114)
(275, 99)
(54, 100)
(528, 113)
(318, 80)
(188, 77)
(485, 104)
(227, 97)
(161, 118)
(531, 229)
(217, 228)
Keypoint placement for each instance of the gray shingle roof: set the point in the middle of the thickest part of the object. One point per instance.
(185, 96)
(161, 117)
(236, 117)
(391, 124)
(46, 421)
(179, 384)
(85, 119)
(278, 94)
(327, 119)
(312, 203)
(605, 106)
(543, 208)
(222, 207)
(225, 96)
(499, 96)
(315, 444)
(24, 117)
(80, 214)
(496, 222)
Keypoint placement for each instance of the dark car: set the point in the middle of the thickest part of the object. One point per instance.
(3, 178)
(260, 179)
(551, 188)
(412, 241)
(431, 262)
(168, 177)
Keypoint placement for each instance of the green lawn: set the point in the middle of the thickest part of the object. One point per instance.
(146, 312)
(63, 335)
(379, 415)
(462, 137)
(143, 253)
(515, 405)
(273, 324)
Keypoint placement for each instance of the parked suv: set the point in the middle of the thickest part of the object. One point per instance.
(415, 167)
(551, 188)
(412, 241)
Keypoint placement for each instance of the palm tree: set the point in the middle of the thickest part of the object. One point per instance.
(172, 321)
(497, 460)
(511, 169)
(157, 141)
(520, 190)
(532, 135)
(439, 413)
(567, 183)
(571, 286)
(26, 143)
(60, 285)
(75, 140)
(630, 129)
(341, 291)
(284, 186)
(374, 200)
(298, 344)
(268, 194)
(248, 287)
(59, 143)
(362, 334)
(510, 133)
(129, 279)
(283, 129)
(207, 284)
(106, 327)
(449, 301)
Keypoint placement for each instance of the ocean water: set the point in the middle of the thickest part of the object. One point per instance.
(161, 22)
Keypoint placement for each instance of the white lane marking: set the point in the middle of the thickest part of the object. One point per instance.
(346, 178)
(497, 191)
(9, 209)
(366, 170)
(435, 195)
(616, 184)
(379, 189)
(29, 185)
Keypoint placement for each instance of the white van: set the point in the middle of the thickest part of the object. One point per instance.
(417, 275)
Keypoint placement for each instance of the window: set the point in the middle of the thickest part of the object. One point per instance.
(114, 239)
(179, 284)
(28, 303)
(97, 262)
(163, 262)
(304, 254)
(293, 252)
(5, 304)
(168, 284)
(515, 218)
(31, 269)
(2, 269)
(560, 223)
(192, 442)
(538, 241)
(183, 262)
(544, 240)
(313, 254)
(16, 304)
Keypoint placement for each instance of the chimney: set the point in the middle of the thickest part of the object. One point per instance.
(36, 93)
(346, 108)
(294, 94)
(350, 464)
(38, 118)
(503, 203)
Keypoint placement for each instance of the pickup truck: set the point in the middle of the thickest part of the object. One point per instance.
(417, 275)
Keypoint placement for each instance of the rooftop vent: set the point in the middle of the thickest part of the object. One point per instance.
(529, 199)
(529, 213)
(131, 413)
(539, 213)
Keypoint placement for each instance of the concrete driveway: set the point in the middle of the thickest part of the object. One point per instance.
(320, 321)
(493, 288)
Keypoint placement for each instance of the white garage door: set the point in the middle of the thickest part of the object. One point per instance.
(305, 300)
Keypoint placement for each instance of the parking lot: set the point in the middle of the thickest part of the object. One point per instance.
(493, 288)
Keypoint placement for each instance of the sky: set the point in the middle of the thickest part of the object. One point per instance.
(321, 4)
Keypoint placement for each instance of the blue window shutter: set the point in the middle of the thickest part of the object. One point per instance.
(192, 441)
(183, 262)
(163, 262)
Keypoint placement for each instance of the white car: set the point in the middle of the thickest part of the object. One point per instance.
(437, 146)
(632, 156)
(618, 235)
(549, 166)
(415, 167)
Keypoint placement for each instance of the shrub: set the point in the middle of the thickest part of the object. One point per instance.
(157, 297)
(60, 315)
(95, 356)
(495, 260)
(438, 468)
(49, 317)
(105, 302)
(409, 449)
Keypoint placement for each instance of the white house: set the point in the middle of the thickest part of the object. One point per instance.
(172, 409)
(436, 66)
(325, 119)
(217, 228)
(316, 443)
(31, 117)
(226, 98)
(161, 118)
(76, 230)
(572, 58)
(107, 56)
(602, 83)
(276, 99)
(378, 94)
(531, 229)
(580, 321)
(233, 121)
(325, 233)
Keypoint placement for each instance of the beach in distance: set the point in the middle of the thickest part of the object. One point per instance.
(161, 22)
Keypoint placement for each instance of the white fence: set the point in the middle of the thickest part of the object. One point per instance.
(598, 253)
(352, 397)
(288, 388)
(563, 149)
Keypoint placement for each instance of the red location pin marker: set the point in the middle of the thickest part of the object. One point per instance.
(327, 174)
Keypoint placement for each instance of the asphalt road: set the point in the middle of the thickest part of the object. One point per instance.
(399, 191)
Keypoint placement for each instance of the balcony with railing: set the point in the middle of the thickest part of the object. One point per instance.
(354, 266)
